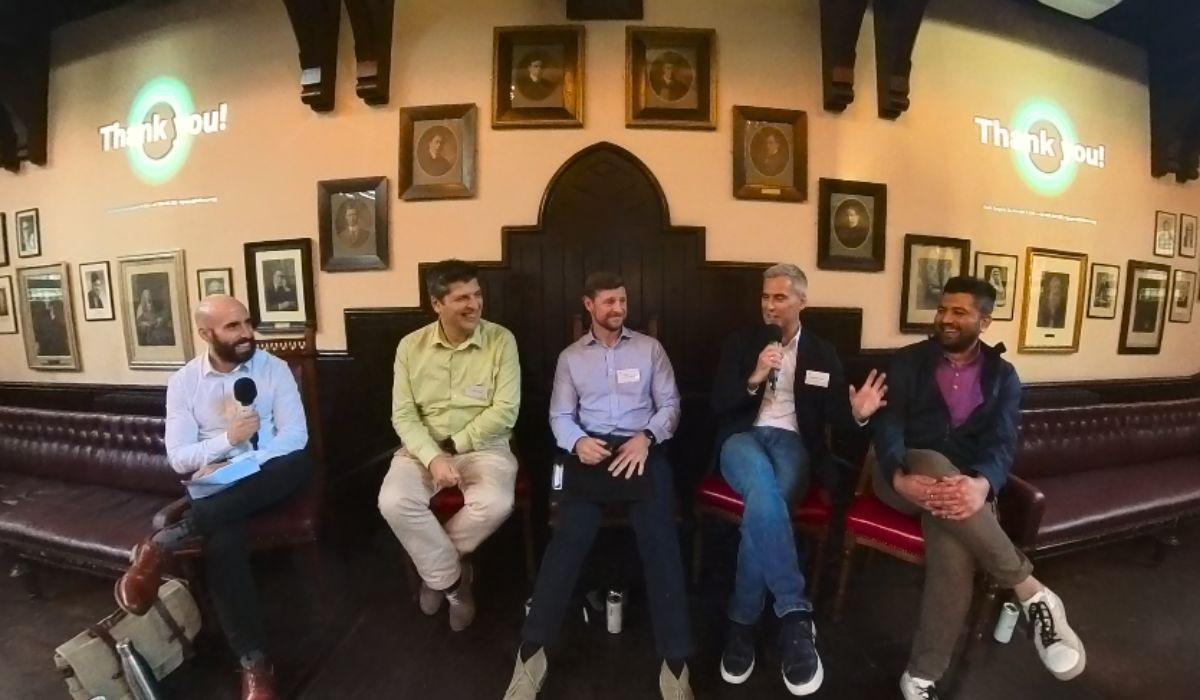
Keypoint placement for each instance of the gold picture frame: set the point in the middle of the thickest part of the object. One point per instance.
(154, 310)
(1054, 300)
(537, 76)
(670, 78)
(50, 339)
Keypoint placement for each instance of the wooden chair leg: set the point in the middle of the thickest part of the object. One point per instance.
(527, 538)
(844, 577)
(818, 566)
(313, 564)
(986, 611)
(697, 549)
(25, 572)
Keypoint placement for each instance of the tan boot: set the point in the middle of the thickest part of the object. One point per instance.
(673, 688)
(429, 599)
(528, 677)
(136, 591)
(462, 600)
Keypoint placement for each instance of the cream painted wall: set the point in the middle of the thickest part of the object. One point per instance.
(264, 169)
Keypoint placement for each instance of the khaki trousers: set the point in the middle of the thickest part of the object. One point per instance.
(487, 478)
(953, 549)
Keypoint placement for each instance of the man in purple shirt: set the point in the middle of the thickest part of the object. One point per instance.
(613, 386)
(944, 446)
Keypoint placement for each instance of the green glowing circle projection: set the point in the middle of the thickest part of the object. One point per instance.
(1048, 178)
(156, 163)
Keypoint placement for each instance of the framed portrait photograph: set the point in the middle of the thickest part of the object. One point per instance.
(28, 230)
(3, 239)
(1183, 291)
(353, 224)
(154, 310)
(8, 306)
(214, 280)
(1188, 231)
(1103, 288)
(1165, 234)
(279, 280)
(1000, 271)
(770, 154)
(46, 314)
(437, 151)
(1144, 310)
(1052, 312)
(95, 291)
(537, 76)
(928, 262)
(851, 225)
(670, 78)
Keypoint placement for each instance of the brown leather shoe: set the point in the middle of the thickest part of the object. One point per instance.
(258, 683)
(136, 591)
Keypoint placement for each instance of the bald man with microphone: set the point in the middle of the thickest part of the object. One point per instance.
(233, 405)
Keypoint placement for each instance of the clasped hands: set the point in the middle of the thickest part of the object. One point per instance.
(631, 455)
(955, 497)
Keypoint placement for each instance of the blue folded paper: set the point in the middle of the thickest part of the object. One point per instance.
(222, 478)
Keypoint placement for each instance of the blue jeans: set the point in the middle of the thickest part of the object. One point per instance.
(767, 467)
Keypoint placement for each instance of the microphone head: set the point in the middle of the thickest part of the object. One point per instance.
(245, 391)
(773, 333)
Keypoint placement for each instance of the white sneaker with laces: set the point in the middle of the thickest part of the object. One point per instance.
(917, 688)
(1057, 644)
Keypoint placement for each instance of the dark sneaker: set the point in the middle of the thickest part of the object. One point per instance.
(737, 661)
(801, 666)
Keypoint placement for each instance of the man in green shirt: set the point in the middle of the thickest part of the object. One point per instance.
(455, 397)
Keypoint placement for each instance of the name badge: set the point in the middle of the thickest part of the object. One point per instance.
(628, 376)
(816, 378)
(476, 391)
(556, 480)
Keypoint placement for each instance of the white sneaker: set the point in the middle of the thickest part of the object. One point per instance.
(917, 688)
(1056, 642)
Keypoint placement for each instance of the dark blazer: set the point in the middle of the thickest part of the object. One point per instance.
(917, 416)
(816, 406)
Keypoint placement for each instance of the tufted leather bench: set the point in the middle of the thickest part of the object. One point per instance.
(81, 489)
(1096, 473)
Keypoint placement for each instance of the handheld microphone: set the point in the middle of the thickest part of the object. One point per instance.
(245, 391)
(774, 335)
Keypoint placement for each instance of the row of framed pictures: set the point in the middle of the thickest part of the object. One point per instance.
(153, 299)
(1058, 291)
(1175, 233)
(28, 235)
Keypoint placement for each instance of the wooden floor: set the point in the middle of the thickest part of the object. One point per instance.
(1138, 619)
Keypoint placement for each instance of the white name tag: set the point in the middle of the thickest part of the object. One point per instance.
(476, 391)
(816, 378)
(628, 376)
(556, 480)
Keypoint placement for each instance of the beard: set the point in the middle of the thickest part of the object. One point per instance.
(956, 342)
(231, 353)
(611, 322)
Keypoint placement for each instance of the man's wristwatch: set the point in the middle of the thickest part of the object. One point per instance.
(650, 436)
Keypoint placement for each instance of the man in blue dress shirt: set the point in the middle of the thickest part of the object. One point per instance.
(613, 385)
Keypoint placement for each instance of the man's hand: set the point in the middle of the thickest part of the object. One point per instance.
(631, 457)
(208, 469)
(591, 451)
(244, 425)
(770, 358)
(866, 401)
(443, 472)
(958, 497)
(914, 487)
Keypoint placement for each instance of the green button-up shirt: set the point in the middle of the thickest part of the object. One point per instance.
(470, 393)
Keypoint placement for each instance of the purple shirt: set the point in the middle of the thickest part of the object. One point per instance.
(961, 386)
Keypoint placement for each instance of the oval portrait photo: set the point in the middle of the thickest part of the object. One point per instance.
(851, 223)
(437, 150)
(537, 76)
(671, 76)
(769, 151)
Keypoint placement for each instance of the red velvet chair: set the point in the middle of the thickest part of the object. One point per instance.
(810, 515)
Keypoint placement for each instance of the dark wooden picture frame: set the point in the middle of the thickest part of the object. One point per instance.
(106, 311)
(1189, 235)
(961, 247)
(851, 225)
(1166, 238)
(1176, 312)
(650, 97)
(280, 319)
(205, 274)
(1142, 314)
(345, 208)
(9, 308)
(1101, 310)
(437, 177)
(1006, 293)
(521, 97)
(760, 172)
(24, 250)
(3, 239)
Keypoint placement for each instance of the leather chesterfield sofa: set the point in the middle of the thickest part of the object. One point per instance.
(1097, 473)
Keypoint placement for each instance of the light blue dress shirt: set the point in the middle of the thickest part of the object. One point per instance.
(200, 405)
(620, 390)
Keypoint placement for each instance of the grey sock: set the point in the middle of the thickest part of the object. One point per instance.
(170, 537)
